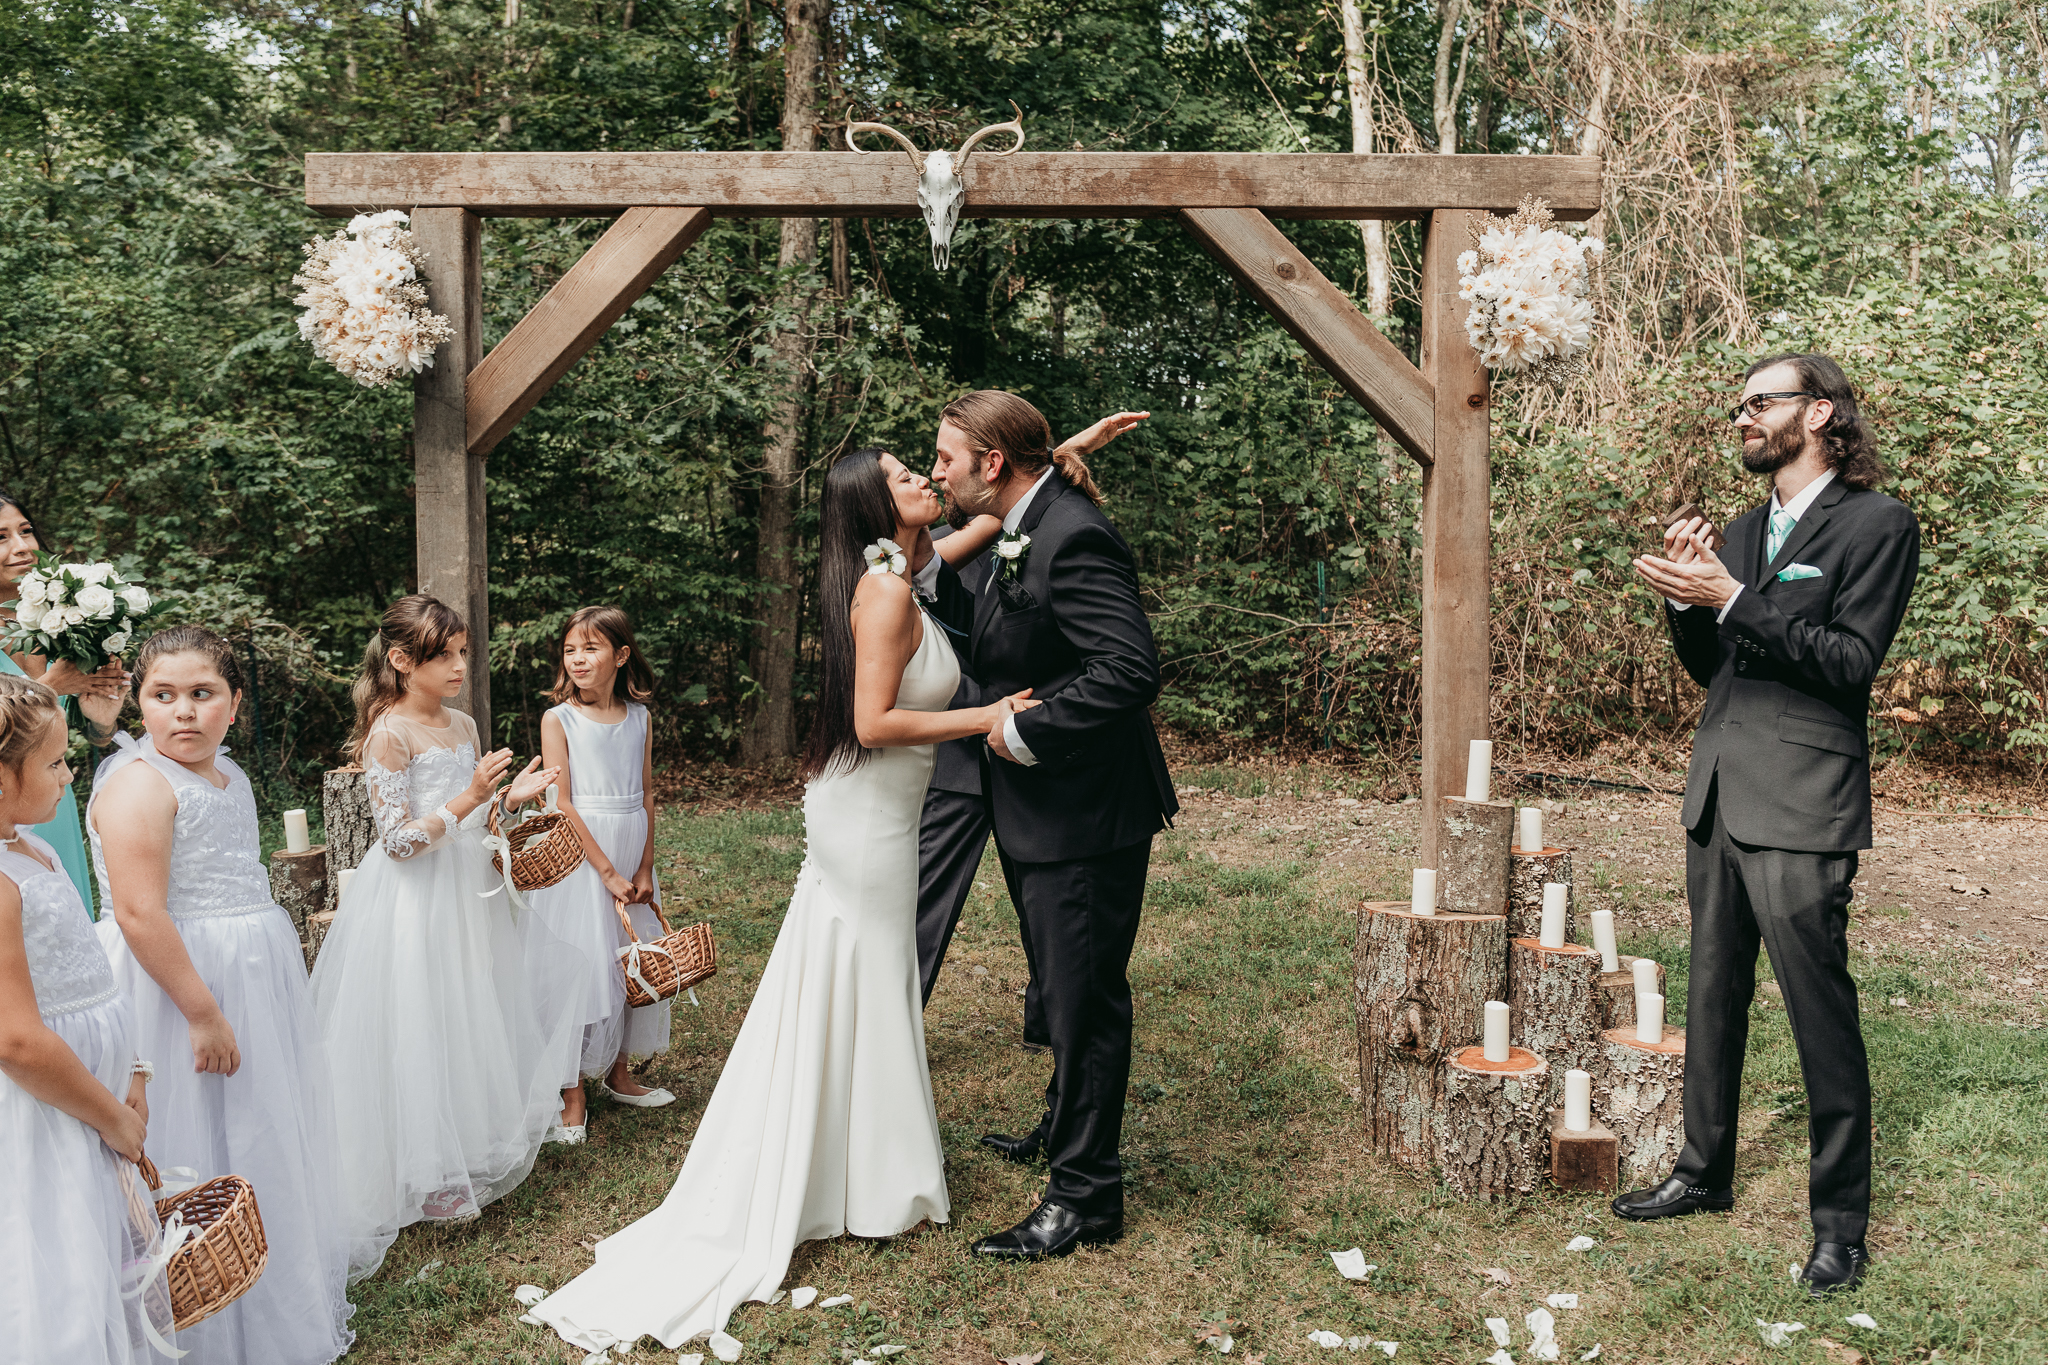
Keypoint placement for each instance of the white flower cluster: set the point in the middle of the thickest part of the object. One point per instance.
(366, 308)
(1529, 286)
(81, 612)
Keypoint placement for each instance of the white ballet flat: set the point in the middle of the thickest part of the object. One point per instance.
(569, 1135)
(653, 1099)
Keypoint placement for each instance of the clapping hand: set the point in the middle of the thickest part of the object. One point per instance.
(1689, 571)
(531, 782)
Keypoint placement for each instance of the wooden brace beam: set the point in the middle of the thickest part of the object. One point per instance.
(1027, 185)
(1324, 320)
(583, 304)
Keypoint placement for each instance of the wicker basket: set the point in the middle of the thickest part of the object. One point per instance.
(670, 965)
(224, 1261)
(544, 847)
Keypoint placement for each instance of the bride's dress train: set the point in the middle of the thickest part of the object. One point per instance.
(822, 1122)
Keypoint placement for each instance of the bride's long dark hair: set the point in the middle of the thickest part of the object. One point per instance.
(854, 512)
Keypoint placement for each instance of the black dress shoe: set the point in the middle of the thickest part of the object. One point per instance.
(1051, 1230)
(1022, 1150)
(1671, 1199)
(1833, 1266)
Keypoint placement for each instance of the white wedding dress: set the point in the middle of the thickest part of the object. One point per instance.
(822, 1122)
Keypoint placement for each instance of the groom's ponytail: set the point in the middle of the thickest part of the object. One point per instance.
(995, 419)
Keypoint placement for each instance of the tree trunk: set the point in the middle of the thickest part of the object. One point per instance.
(350, 828)
(298, 882)
(1379, 268)
(771, 727)
(1496, 1124)
(1615, 993)
(1527, 874)
(1444, 93)
(1472, 842)
(1551, 1004)
(1422, 983)
(1639, 1093)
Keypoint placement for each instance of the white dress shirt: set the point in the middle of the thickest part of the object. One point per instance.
(1797, 507)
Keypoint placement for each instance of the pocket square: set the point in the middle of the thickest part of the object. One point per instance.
(1796, 571)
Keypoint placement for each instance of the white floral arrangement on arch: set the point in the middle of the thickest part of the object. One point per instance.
(87, 613)
(1530, 287)
(366, 305)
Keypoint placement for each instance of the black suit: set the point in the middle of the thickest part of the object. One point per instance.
(1075, 829)
(1777, 806)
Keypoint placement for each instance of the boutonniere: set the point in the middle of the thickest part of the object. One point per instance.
(1011, 548)
(885, 556)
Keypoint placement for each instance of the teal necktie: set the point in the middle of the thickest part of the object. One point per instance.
(1782, 523)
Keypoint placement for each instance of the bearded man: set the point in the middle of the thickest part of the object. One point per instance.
(1786, 628)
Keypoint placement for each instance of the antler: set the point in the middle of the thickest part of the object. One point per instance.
(916, 157)
(1015, 125)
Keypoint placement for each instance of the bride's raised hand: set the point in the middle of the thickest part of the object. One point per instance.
(1103, 432)
(531, 782)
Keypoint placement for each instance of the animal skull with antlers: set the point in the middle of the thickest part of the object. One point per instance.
(939, 191)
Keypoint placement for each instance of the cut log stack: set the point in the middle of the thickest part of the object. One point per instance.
(1432, 1100)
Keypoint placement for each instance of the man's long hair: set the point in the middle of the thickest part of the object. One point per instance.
(1851, 449)
(995, 419)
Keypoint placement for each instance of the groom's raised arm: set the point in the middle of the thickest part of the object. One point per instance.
(1094, 601)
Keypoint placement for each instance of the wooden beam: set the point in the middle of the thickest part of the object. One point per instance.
(1456, 531)
(583, 304)
(448, 483)
(1323, 319)
(1027, 185)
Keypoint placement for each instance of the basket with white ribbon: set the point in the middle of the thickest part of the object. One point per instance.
(213, 1247)
(668, 966)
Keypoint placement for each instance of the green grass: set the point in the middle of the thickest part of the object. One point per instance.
(1245, 1164)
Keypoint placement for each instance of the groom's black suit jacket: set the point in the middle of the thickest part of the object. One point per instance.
(1070, 626)
(1785, 731)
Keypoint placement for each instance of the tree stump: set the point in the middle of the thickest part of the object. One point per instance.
(317, 926)
(298, 882)
(1550, 999)
(1495, 1129)
(1616, 994)
(1472, 855)
(351, 829)
(1639, 1093)
(1422, 983)
(1587, 1162)
(1527, 872)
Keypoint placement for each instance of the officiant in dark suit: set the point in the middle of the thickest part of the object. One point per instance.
(1786, 627)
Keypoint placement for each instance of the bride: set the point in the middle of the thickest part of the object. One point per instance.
(822, 1122)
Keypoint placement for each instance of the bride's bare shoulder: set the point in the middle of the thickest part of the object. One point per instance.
(884, 608)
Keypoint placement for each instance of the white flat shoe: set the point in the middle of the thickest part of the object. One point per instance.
(569, 1136)
(653, 1099)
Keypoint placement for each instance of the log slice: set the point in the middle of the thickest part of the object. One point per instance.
(1527, 872)
(1616, 994)
(1496, 1125)
(298, 882)
(1472, 855)
(350, 828)
(1639, 1093)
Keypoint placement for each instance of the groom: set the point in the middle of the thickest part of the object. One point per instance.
(1077, 787)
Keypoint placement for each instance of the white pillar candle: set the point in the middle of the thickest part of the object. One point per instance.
(347, 875)
(1649, 1018)
(1479, 771)
(1603, 939)
(1552, 934)
(1496, 1039)
(1578, 1100)
(1422, 895)
(295, 840)
(1532, 830)
(1646, 976)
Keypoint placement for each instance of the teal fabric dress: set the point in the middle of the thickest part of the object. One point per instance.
(63, 833)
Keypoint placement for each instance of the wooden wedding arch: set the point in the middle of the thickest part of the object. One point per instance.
(663, 201)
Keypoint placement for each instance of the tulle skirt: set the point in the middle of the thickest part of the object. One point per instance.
(449, 1025)
(77, 1226)
(272, 1123)
(579, 911)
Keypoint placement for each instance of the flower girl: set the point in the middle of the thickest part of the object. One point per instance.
(448, 1048)
(78, 1234)
(600, 741)
(217, 976)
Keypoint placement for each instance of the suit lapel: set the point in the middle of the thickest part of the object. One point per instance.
(984, 608)
(1807, 527)
(1746, 548)
(985, 601)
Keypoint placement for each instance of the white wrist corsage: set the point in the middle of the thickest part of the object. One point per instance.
(885, 556)
(1010, 548)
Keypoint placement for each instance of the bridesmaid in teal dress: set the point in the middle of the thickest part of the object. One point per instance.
(95, 698)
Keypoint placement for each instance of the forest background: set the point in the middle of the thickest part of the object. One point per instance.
(1869, 180)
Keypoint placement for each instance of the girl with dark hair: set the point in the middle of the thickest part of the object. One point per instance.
(822, 1122)
(445, 1010)
(600, 739)
(97, 697)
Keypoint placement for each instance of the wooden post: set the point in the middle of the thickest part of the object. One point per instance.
(1456, 532)
(1589, 1162)
(1472, 844)
(1496, 1123)
(448, 509)
(1526, 875)
(1422, 983)
(298, 882)
(1639, 1092)
(1615, 994)
(1550, 1003)
(350, 828)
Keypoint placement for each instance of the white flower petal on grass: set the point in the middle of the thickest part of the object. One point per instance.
(1499, 1328)
(1593, 1354)
(725, 1348)
(889, 1350)
(1563, 1300)
(529, 1294)
(803, 1297)
(598, 1358)
(1778, 1333)
(1351, 1264)
(1500, 1357)
(837, 1301)
(1329, 1341)
(1542, 1334)
(1863, 1320)
(1580, 1243)
(1388, 1346)
(696, 1358)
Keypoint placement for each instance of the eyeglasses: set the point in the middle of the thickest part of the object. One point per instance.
(1756, 403)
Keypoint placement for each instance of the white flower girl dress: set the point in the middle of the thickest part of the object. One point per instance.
(606, 763)
(272, 1122)
(77, 1228)
(450, 1029)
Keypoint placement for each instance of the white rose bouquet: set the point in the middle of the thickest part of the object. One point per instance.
(1529, 286)
(366, 308)
(86, 613)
